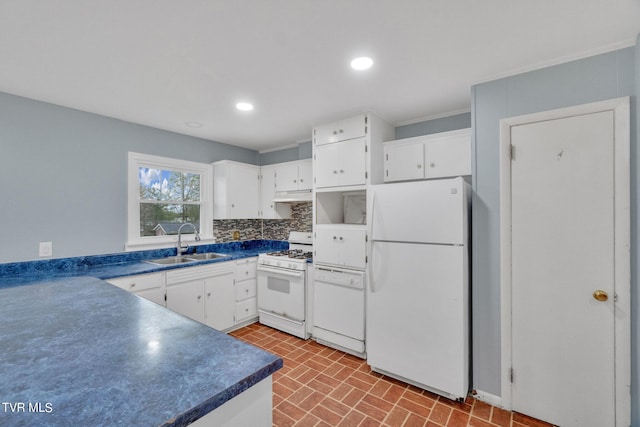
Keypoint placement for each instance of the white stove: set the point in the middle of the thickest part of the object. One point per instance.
(282, 286)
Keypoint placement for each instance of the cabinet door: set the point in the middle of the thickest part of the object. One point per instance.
(340, 164)
(243, 192)
(268, 208)
(287, 177)
(187, 298)
(448, 157)
(154, 295)
(220, 301)
(354, 127)
(342, 246)
(305, 175)
(404, 162)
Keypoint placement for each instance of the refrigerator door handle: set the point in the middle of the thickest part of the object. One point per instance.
(370, 266)
(371, 285)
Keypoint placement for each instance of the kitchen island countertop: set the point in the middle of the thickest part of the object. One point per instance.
(77, 351)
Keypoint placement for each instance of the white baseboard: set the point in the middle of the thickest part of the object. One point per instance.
(489, 398)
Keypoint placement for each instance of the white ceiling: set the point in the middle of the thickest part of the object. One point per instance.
(163, 63)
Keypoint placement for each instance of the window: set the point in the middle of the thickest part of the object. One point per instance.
(165, 193)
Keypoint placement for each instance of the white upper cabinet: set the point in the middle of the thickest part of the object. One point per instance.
(348, 153)
(439, 155)
(268, 208)
(236, 190)
(341, 163)
(293, 176)
(353, 127)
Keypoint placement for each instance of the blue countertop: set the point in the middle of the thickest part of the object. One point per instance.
(124, 264)
(76, 350)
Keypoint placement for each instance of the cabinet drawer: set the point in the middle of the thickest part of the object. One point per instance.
(246, 268)
(246, 289)
(138, 283)
(245, 309)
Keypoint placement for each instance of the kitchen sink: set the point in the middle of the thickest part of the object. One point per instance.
(209, 255)
(171, 260)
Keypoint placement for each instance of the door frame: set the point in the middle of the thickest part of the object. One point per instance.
(622, 244)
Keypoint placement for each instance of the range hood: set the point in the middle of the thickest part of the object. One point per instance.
(292, 196)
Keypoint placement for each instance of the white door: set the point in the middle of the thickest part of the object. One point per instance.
(404, 161)
(562, 218)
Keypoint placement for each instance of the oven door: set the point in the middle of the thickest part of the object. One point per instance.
(281, 292)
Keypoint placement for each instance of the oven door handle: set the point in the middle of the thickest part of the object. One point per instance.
(297, 274)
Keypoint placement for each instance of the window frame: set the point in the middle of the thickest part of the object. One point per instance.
(140, 160)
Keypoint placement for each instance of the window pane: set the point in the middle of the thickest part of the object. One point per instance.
(169, 186)
(160, 219)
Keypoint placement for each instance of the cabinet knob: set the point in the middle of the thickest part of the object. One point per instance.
(334, 237)
(246, 291)
(341, 238)
(294, 180)
(199, 297)
(208, 294)
(335, 172)
(233, 206)
(419, 166)
(341, 131)
(301, 180)
(133, 285)
(335, 132)
(433, 165)
(341, 171)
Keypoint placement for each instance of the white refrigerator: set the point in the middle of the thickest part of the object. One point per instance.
(417, 301)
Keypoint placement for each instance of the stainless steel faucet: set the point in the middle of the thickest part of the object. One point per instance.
(185, 248)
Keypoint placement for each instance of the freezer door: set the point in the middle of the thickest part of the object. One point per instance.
(422, 211)
(418, 315)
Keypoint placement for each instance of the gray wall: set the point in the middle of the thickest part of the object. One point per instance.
(300, 152)
(64, 176)
(444, 124)
(592, 79)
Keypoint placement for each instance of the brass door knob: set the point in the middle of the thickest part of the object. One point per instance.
(600, 295)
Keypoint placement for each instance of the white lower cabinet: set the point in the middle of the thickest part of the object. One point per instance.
(246, 306)
(341, 245)
(220, 295)
(204, 293)
(148, 286)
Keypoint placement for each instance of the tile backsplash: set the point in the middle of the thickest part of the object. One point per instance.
(227, 230)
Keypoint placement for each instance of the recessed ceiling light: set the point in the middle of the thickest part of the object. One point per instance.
(193, 124)
(244, 106)
(362, 63)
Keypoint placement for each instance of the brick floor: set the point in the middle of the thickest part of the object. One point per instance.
(320, 386)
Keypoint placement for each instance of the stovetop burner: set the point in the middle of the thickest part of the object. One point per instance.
(292, 253)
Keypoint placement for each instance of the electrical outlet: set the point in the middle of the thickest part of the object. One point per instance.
(46, 249)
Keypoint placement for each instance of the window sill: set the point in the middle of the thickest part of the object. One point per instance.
(141, 246)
